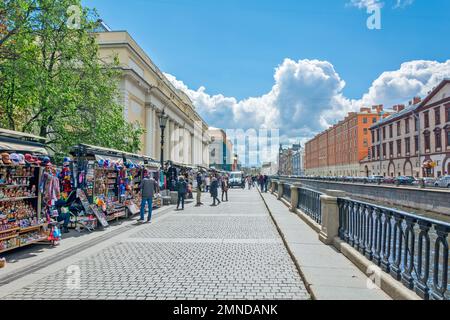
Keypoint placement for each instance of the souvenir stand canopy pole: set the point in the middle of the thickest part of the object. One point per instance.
(21, 219)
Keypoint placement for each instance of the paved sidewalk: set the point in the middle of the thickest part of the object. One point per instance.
(328, 273)
(230, 252)
(22, 260)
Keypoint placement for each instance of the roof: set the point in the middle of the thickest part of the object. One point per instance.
(110, 152)
(397, 115)
(21, 135)
(14, 141)
(414, 107)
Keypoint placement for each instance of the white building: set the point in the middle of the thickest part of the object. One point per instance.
(146, 92)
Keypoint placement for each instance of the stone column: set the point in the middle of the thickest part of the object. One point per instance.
(172, 141)
(149, 137)
(280, 190)
(167, 142)
(186, 138)
(272, 187)
(330, 215)
(175, 138)
(156, 137)
(294, 197)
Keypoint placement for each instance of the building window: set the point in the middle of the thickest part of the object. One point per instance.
(448, 138)
(365, 143)
(378, 134)
(408, 146)
(399, 132)
(399, 147)
(416, 144)
(391, 149)
(407, 126)
(427, 141)
(364, 120)
(366, 131)
(438, 139)
(384, 150)
(447, 113)
(437, 116)
(374, 120)
(373, 153)
(427, 119)
(391, 131)
(416, 123)
(384, 133)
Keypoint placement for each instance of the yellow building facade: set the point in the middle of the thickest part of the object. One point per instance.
(145, 93)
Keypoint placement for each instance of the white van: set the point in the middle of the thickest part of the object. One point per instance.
(237, 179)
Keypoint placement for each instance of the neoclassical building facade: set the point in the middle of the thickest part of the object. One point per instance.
(415, 141)
(145, 93)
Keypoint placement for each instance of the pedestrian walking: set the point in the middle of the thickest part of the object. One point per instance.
(182, 190)
(225, 188)
(199, 191)
(249, 182)
(207, 183)
(266, 182)
(261, 182)
(148, 188)
(214, 190)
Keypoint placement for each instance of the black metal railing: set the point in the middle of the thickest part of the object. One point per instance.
(411, 248)
(286, 192)
(309, 203)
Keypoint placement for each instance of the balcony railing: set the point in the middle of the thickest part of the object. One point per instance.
(309, 203)
(411, 248)
(286, 192)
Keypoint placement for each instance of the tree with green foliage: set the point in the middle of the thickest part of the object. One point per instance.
(52, 81)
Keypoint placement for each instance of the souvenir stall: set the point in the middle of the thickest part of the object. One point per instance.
(81, 218)
(97, 172)
(110, 179)
(22, 221)
(134, 169)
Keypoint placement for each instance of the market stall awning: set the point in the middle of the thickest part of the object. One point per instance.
(35, 149)
(20, 135)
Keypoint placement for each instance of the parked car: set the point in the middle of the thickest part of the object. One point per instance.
(375, 179)
(429, 182)
(389, 180)
(443, 182)
(405, 180)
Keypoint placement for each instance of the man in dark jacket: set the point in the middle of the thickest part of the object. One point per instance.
(214, 191)
(182, 190)
(199, 190)
(148, 188)
(266, 182)
(225, 188)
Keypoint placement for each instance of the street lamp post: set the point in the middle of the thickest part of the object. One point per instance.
(162, 124)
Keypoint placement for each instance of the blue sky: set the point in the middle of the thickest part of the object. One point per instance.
(295, 65)
(232, 46)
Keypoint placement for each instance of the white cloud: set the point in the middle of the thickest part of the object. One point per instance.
(414, 78)
(307, 97)
(365, 4)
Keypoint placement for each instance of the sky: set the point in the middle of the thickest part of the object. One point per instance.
(297, 65)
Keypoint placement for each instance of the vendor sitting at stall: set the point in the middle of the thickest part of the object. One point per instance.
(63, 215)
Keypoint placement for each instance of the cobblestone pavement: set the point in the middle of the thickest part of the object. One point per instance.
(228, 252)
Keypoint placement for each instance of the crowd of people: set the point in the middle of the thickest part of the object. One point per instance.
(212, 183)
(262, 181)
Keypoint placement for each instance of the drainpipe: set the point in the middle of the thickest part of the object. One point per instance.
(421, 180)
